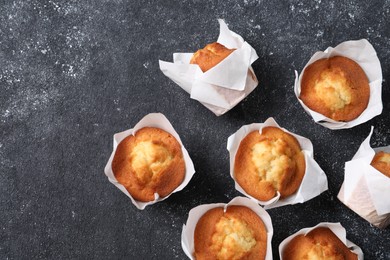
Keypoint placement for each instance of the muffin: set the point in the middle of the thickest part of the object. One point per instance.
(149, 162)
(238, 233)
(210, 55)
(269, 162)
(381, 162)
(336, 87)
(320, 243)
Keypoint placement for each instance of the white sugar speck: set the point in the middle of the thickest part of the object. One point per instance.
(6, 113)
(68, 70)
(319, 33)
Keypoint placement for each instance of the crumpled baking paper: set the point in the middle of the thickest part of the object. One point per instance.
(336, 228)
(362, 53)
(223, 86)
(187, 234)
(157, 120)
(365, 190)
(314, 181)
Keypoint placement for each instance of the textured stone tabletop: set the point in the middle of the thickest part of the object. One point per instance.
(73, 73)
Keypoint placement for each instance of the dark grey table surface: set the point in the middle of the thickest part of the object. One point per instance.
(73, 73)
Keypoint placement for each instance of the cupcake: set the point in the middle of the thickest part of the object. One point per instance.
(210, 56)
(366, 185)
(336, 87)
(149, 162)
(240, 229)
(237, 233)
(269, 162)
(274, 166)
(219, 75)
(341, 87)
(381, 162)
(325, 241)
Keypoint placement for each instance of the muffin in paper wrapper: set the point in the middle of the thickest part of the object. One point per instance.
(364, 54)
(223, 86)
(313, 183)
(187, 235)
(336, 228)
(157, 120)
(365, 190)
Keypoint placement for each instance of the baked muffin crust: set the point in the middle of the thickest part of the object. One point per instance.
(381, 162)
(269, 162)
(149, 162)
(336, 87)
(319, 244)
(210, 55)
(238, 233)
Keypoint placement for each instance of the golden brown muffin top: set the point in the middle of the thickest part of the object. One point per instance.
(149, 162)
(238, 233)
(210, 55)
(381, 162)
(319, 244)
(336, 87)
(269, 162)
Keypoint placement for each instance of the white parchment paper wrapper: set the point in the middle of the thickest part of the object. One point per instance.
(365, 190)
(314, 182)
(223, 86)
(363, 53)
(336, 228)
(151, 120)
(187, 234)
